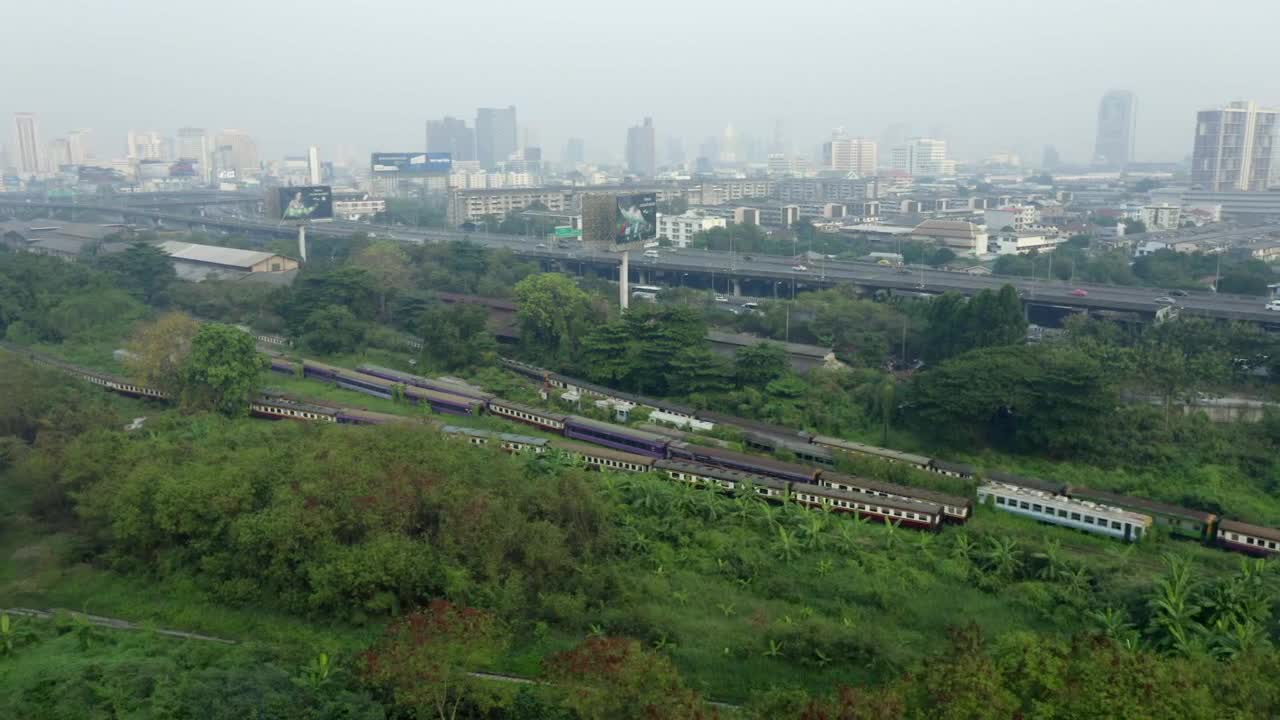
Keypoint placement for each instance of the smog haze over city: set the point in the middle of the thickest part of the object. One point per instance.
(987, 76)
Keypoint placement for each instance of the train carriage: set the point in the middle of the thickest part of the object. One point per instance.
(383, 388)
(526, 414)
(722, 478)
(872, 451)
(906, 512)
(353, 416)
(507, 441)
(445, 386)
(599, 458)
(1061, 510)
(803, 451)
(1246, 538)
(278, 408)
(962, 471)
(719, 457)
(1031, 483)
(954, 508)
(1177, 520)
(617, 437)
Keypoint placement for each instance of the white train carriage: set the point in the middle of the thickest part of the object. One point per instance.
(528, 415)
(1061, 510)
(723, 478)
(507, 441)
(1246, 538)
(906, 512)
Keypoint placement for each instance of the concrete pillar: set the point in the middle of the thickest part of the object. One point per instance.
(302, 242)
(624, 293)
(737, 287)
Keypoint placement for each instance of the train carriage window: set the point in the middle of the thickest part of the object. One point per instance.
(999, 500)
(1075, 516)
(1115, 525)
(1248, 539)
(1062, 513)
(1036, 507)
(1024, 505)
(1088, 519)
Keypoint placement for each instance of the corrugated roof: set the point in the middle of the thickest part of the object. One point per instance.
(214, 255)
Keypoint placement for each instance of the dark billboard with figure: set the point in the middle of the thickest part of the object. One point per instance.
(429, 163)
(307, 202)
(637, 219)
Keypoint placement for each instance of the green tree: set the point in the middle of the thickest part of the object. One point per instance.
(222, 371)
(606, 354)
(351, 287)
(697, 370)
(143, 269)
(456, 336)
(332, 330)
(553, 314)
(388, 264)
(941, 257)
(160, 349)
(755, 366)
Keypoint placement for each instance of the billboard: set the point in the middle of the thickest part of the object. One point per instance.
(636, 219)
(428, 163)
(306, 202)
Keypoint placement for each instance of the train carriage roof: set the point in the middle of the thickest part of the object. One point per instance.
(1140, 503)
(1259, 531)
(921, 494)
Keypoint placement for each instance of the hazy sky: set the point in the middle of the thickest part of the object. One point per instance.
(992, 74)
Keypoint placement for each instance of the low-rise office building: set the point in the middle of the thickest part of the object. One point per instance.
(201, 262)
(961, 236)
(1021, 243)
(680, 229)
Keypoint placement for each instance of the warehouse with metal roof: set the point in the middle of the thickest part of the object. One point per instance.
(199, 262)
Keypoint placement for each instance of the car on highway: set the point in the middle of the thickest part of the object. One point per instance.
(1179, 293)
(1166, 300)
(1079, 293)
(721, 298)
(748, 257)
(1272, 305)
(800, 268)
(542, 246)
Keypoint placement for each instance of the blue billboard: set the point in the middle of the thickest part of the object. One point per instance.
(423, 163)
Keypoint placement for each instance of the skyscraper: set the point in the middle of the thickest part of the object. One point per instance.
(59, 154)
(237, 153)
(575, 152)
(30, 154)
(193, 144)
(451, 135)
(640, 149)
(495, 135)
(313, 165)
(1117, 114)
(78, 146)
(1049, 159)
(729, 145)
(1234, 147)
(847, 154)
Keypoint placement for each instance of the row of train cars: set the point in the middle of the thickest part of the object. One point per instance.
(680, 456)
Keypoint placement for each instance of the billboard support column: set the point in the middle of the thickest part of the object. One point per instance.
(624, 294)
(302, 242)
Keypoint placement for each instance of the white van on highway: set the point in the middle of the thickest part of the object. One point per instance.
(651, 254)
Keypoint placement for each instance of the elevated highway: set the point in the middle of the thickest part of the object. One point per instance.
(754, 274)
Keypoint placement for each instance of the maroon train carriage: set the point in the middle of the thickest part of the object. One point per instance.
(907, 513)
(279, 408)
(1246, 538)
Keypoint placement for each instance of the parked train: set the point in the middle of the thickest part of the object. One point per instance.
(616, 447)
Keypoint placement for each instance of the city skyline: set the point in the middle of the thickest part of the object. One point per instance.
(1053, 102)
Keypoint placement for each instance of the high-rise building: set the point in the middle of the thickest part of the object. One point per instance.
(729, 145)
(575, 152)
(313, 165)
(79, 146)
(1117, 114)
(145, 145)
(847, 154)
(30, 154)
(641, 158)
(1050, 160)
(59, 154)
(193, 144)
(922, 157)
(495, 135)
(451, 135)
(237, 153)
(1234, 148)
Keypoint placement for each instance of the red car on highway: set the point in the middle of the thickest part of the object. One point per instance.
(1079, 293)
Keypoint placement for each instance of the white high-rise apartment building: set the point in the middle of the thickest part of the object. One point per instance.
(846, 154)
(238, 153)
(1234, 148)
(78, 146)
(922, 157)
(313, 165)
(30, 154)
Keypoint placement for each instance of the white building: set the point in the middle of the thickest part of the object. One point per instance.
(1018, 217)
(1162, 217)
(846, 154)
(358, 207)
(313, 165)
(964, 238)
(30, 155)
(1021, 243)
(923, 157)
(145, 145)
(679, 229)
(193, 144)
